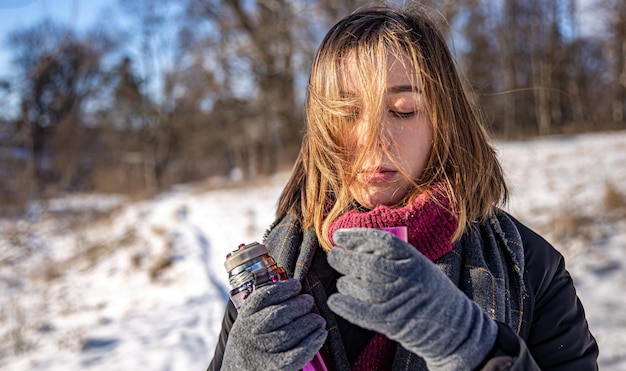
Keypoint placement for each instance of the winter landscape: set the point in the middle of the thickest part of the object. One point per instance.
(99, 282)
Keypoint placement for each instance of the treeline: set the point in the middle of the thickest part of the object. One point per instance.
(184, 90)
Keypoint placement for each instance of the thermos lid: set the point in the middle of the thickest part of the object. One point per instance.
(243, 254)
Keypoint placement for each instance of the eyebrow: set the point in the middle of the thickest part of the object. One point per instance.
(392, 90)
(404, 89)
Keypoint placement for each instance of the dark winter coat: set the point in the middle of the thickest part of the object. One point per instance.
(553, 333)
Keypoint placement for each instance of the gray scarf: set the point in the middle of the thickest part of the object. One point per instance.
(487, 264)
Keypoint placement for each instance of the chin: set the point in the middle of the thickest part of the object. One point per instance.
(370, 199)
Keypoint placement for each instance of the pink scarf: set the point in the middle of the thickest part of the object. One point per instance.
(430, 226)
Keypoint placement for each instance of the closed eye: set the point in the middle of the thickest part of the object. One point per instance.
(402, 115)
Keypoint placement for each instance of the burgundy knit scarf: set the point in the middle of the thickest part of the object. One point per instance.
(430, 226)
(429, 222)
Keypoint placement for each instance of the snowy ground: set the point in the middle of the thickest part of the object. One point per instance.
(99, 283)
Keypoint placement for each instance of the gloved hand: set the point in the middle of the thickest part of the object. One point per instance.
(275, 330)
(391, 288)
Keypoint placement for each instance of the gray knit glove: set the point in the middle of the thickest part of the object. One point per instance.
(275, 330)
(391, 288)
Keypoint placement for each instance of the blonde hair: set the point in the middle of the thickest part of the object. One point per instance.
(461, 157)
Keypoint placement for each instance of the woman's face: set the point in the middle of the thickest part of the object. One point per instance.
(407, 137)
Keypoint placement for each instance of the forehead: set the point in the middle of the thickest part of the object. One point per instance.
(396, 69)
(399, 70)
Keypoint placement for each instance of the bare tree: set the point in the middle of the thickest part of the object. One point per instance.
(616, 13)
(534, 86)
(154, 34)
(60, 72)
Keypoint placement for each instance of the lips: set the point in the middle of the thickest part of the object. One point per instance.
(377, 175)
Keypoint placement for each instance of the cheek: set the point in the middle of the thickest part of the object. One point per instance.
(418, 147)
(425, 143)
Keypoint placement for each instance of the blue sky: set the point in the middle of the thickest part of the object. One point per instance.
(19, 14)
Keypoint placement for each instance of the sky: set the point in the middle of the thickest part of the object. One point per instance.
(20, 14)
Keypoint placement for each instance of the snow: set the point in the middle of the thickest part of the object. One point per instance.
(98, 282)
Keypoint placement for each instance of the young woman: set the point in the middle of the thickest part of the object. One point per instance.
(392, 141)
